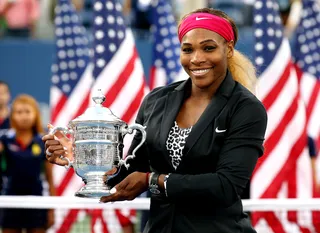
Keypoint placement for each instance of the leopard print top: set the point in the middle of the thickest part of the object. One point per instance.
(175, 143)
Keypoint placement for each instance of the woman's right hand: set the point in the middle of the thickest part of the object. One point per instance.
(56, 146)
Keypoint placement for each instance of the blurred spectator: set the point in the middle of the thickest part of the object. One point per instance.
(4, 106)
(313, 154)
(24, 153)
(126, 4)
(240, 10)
(137, 13)
(290, 11)
(3, 26)
(20, 16)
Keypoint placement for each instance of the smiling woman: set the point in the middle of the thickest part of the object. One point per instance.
(224, 30)
(203, 141)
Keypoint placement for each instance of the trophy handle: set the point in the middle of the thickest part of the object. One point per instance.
(65, 130)
(130, 130)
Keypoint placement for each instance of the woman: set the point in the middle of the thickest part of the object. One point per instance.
(204, 136)
(25, 157)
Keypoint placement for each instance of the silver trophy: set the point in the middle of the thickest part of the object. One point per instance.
(97, 138)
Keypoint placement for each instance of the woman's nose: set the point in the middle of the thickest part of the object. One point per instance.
(197, 58)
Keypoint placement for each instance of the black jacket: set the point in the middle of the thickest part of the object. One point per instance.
(218, 159)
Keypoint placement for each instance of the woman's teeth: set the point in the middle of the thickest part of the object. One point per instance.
(200, 72)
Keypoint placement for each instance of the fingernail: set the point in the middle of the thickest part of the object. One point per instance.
(113, 190)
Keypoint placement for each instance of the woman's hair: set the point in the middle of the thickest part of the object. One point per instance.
(241, 68)
(29, 100)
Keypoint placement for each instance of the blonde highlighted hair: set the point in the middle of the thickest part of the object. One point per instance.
(241, 68)
(29, 100)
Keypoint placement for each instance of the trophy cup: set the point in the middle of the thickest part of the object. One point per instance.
(97, 139)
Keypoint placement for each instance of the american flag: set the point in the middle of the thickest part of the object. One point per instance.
(307, 60)
(71, 80)
(70, 91)
(117, 67)
(166, 67)
(118, 72)
(284, 171)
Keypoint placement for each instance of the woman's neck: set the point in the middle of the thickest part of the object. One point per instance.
(203, 94)
(209, 92)
(24, 136)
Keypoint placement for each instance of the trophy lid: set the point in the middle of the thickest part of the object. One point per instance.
(98, 112)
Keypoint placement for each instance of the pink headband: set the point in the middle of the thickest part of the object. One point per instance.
(206, 21)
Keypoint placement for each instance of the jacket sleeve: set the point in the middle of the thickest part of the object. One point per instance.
(237, 159)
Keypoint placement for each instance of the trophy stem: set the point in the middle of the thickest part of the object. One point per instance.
(95, 187)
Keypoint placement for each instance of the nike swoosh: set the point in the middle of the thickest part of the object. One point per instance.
(197, 18)
(220, 130)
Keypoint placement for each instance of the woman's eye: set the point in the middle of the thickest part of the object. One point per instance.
(187, 50)
(209, 48)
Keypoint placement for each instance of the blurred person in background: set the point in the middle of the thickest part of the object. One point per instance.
(313, 154)
(4, 106)
(137, 13)
(202, 141)
(21, 17)
(290, 11)
(24, 153)
(241, 10)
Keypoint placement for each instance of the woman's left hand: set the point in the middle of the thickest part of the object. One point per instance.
(128, 189)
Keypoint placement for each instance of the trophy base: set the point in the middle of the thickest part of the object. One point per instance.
(94, 188)
(92, 193)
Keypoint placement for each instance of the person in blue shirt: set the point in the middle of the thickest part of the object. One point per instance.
(24, 154)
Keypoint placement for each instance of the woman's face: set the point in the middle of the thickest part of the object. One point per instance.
(24, 116)
(204, 55)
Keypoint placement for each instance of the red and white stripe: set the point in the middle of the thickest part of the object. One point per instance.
(310, 92)
(278, 173)
(122, 82)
